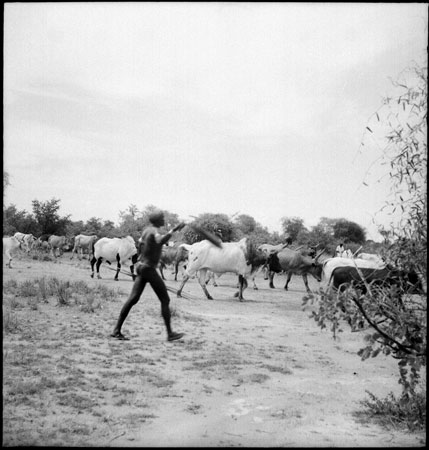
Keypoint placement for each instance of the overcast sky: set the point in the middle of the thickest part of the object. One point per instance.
(256, 108)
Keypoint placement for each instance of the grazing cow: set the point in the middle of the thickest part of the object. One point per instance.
(237, 257)
(344, 276)
(330, 264)
(26, 240)
(10, 246)
(114, 249)
(41, 243)
(172, 255)
(57, 242)
(81, 242)
(293, 262)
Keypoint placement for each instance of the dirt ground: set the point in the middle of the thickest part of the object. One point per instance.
(246, 374)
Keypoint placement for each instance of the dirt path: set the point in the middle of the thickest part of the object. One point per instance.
(256, 373)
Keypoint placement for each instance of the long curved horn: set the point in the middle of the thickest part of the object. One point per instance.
(319, 255)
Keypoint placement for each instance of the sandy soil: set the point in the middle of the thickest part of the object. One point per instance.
(252, 373)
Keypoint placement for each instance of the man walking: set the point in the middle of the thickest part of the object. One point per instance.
(150, 248)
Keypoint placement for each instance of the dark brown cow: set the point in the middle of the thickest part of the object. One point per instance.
(294, 263)
(408, 281)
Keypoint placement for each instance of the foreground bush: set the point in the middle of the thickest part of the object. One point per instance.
(407, 411)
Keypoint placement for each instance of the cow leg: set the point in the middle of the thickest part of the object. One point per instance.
(184, 280)
(212, 276)
(161, 269)
(266, 272)
(99, 261)
(93, 261)
(118, 267)
(271, 278)
(254, 283)
(134, 259)
(8, 264)
(305, 278)
(242, 286)
(289, 276)
(207, 281)
(202, 281)
(176, 270)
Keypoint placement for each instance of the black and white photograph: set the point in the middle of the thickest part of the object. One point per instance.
(214, 224)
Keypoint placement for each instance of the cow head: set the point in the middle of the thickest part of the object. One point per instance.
(316, 270)
(317, 266)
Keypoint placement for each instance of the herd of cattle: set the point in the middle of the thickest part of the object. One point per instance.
(206, 261)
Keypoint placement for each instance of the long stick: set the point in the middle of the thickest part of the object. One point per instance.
(357, 251)
(174, 291)
(122, 271)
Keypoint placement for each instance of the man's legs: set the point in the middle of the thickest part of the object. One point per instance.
(133, 298)
(161, 291)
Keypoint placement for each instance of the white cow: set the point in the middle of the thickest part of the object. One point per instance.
(82, 241)
(231, 257)
(10, 246)
(26, 240)
(371, 257)
(114, 249)
(332, 263)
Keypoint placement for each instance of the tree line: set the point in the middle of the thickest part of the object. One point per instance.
(46, 219)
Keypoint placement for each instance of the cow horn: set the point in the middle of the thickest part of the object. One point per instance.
(278, 251)
(319, 255)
